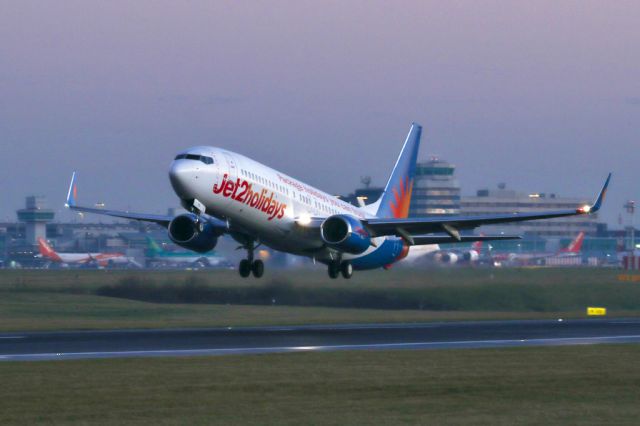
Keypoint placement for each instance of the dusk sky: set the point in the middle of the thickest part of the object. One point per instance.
(542, 95)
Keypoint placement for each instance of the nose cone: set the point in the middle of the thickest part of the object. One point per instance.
(182, 175)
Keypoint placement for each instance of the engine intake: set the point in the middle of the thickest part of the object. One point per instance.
(470, 256)
(193, 234)
(345, 233)
(449, 258)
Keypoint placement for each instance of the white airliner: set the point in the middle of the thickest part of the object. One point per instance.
(100, 259)
(433, 254)
(228, 193)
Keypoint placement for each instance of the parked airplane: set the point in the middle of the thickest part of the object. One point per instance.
(100, 259)
(156, 254)
(572, 250)
(228, 193)
(427, 254)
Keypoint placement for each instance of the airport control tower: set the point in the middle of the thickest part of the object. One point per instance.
(436, 190)
(35, 216)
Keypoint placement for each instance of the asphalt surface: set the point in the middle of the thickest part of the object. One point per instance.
(252, 340)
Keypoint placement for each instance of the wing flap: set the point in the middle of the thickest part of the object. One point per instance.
(444, 239)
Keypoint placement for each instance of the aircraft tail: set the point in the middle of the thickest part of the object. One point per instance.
(47, 251)
(153, 246)
(575, 246)
(394, 201)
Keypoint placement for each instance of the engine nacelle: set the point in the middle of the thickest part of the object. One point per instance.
(193, 234)
(449, 258)
(470, 256)
(345, 233)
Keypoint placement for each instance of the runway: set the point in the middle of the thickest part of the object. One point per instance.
(255, 340)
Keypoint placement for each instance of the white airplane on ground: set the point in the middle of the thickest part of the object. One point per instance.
(156, 255)
(574, 249)
(434, 254)
(101, 259)
(228, 193)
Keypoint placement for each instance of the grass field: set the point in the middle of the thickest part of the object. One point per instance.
(46, 300)
(554, 385)
(89, 280)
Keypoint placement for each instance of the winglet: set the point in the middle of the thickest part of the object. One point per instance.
(73, 192)
(598, 203)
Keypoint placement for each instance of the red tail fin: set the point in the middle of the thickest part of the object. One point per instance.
(46, 250)
(576, 245)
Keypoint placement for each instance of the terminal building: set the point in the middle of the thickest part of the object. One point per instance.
(503, 200)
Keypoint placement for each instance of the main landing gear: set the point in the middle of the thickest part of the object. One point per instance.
(336, 268)
(250, 266)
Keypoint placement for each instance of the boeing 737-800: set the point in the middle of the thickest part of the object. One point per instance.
(228, 193)
(100, 259)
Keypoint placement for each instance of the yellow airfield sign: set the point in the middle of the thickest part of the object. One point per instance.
(593, 311)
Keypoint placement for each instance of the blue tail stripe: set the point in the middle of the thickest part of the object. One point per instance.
(394, 202)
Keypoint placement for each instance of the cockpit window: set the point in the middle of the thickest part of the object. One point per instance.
(203, 158)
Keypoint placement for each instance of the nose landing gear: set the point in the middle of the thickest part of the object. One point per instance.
(250, 266)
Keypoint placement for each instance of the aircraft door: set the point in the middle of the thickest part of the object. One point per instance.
(222, 175)
(232, 171)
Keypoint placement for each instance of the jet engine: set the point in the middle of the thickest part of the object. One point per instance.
(345, 233)
(449, 258)
(470, 256)
(193, 234)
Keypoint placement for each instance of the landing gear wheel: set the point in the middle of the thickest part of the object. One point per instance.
(334, 270)
(244, 268)
(257, 267)
(347, 270)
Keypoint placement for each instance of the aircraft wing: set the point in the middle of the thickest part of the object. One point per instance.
(452, 225)
(419, 240)
(163, 220)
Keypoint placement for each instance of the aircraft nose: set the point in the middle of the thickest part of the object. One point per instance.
(182, 175)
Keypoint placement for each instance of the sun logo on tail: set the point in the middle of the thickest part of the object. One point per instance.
(400, 204)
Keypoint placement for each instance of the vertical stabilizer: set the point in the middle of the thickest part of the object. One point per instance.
(153, 246)
(394, 201)
(47, 252)
(576, 245)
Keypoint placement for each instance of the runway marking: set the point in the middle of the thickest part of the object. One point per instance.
(279, 349)
(13, 337)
